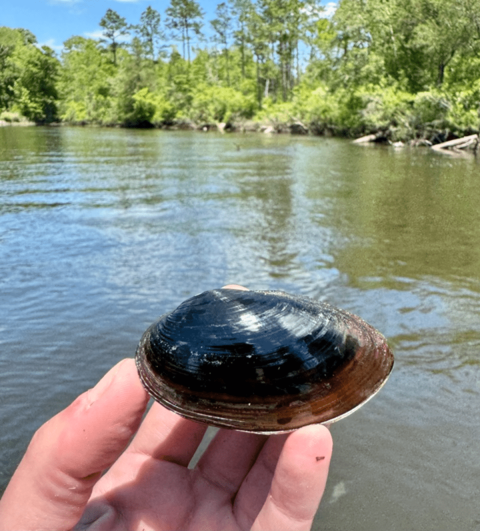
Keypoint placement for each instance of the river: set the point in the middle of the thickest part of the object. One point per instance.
(103, 230)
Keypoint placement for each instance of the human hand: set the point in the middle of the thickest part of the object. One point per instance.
(242, 481)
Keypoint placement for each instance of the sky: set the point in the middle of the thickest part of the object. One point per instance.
(55, 21)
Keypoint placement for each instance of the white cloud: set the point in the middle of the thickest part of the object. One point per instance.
(94, 34)
(330, 9)
(99, 35)
(323, 11)
(51, 44)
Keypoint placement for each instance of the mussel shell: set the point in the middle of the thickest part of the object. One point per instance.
(262, 361)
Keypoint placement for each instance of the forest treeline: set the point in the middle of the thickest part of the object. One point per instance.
(407, 68)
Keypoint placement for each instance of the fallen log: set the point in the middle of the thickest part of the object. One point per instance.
(367, 138)
(455, 143)
(467, 144)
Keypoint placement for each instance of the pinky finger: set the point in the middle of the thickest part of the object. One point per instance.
(298, 482)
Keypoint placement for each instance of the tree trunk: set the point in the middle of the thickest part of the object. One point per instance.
(183, 42)
(259, 89)
(298, 62)
(441, 74)
(188, 43)
(114, 52)
(242, 50)
(227, 57)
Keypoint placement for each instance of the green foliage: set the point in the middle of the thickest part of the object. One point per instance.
(85, 84)
(430, 108)
(114, 26)
(184, 18)
(222, 26)
(28, 76)
(403, 67)
(131, 78)
(11, 117)
(150, 31)
(36, 92)
(212, 104)
(9, 73)
(165, 111)
(144, 106)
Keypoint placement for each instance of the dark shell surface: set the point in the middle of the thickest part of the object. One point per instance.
(262, 361)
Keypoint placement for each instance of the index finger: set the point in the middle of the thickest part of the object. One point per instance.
(166, 436)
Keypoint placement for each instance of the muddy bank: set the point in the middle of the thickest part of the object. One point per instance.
(439, 140)
(4, 123)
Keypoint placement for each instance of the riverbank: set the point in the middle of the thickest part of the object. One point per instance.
(439, 140)
(4, 123)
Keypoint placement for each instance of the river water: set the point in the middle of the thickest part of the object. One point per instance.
(103, 230)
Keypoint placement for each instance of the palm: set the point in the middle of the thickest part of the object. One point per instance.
(242, 481)
(155, 489)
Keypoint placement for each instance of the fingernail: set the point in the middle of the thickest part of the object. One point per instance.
(235, 286)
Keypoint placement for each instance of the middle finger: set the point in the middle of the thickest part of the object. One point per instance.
(228, 459)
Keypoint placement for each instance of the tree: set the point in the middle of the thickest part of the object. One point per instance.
(114, 26)
(27, 36)
(36, 88)
(283, 22)
(8, 77)
(183, 18)
(312, 22)
(150, 31)
(10, 40)
(442, 29)
(85, 87)
(28, 76)
(410, 41)
(257, 37)
(133, 85)
(241, 9)
(353, 43)
(222, 27)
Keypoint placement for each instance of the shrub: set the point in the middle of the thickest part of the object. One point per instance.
(220, 104)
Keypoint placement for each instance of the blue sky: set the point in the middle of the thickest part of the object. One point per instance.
(55, 21)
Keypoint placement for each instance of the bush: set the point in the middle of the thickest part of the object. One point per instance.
(220, 104)
(144, 106)
(324, 110)
(73, 111)
(464, 112)
(11, 117)
(275, 112)
(430, 108)
(165, 112)
(385, 108)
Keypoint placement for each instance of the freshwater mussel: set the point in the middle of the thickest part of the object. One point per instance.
(262, 361)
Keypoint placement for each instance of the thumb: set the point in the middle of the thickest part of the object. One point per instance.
(67, 455)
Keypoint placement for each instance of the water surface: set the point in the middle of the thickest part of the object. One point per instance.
(102, 231)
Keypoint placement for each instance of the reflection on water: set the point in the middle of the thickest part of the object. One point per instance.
(101, 231)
